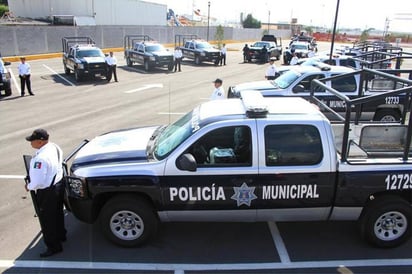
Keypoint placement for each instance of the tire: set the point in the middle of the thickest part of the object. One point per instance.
(66, 70)
(128, 221)
(7, 92)
(386, 222)
(170, 67)
(387, 115)
(197, 60)
(146, 65)
(129, 62)
(77, 75)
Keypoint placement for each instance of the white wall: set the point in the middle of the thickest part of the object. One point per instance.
(106, 12)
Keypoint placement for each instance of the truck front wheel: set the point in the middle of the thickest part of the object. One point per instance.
(129, 62)
(387, 115)
(197, 60)
(146, 65)
(386, 222)
(77, 75)
(128, 221)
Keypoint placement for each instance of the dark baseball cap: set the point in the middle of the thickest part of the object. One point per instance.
(38, 134)
(218, 81)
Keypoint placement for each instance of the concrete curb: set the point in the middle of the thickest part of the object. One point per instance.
(106, 50)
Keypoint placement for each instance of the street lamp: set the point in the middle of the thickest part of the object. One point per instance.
(334, 30)
(208, 19)
(268, 20)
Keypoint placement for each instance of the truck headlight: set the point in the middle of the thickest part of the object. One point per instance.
(152, 58)
(80, 66)
(76, 186)
(203, 54)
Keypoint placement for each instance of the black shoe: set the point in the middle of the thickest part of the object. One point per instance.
(63, 239)
(31, 94)
(49, 253)
(22, 95)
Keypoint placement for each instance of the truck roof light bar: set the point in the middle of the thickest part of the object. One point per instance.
(254, 104)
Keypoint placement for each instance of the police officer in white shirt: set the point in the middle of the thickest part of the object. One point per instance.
(271, 71)
(178, 55)
(223, 52)
(218, 92)
(45, 178)
(111, 67)
(24, 74)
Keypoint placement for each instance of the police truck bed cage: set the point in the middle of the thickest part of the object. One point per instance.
(406, 88)
(130, 40)
(68, 42)
(180, 39)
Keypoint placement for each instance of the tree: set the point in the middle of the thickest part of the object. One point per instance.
(365, 34)
(219, 35)
(251, 23)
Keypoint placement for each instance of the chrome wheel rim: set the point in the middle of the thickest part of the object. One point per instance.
(390, 226)
(126, 225)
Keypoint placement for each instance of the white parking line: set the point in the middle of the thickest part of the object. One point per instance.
(15, 81)
(12, 176)
(180, 268)
(279, 244)
(171, 113)
(58, 75)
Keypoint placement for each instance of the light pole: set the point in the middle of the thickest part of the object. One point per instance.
(208, 19)
(334, 30)
(268, 20)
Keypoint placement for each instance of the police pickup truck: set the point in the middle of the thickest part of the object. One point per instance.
(197, 49)
(5, 77)
(143, 50)
(251, 159)
(81, 56)
(350, 82)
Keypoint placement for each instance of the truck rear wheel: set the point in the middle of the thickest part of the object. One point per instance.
(387, 115)
(386, 222)
(128, 221)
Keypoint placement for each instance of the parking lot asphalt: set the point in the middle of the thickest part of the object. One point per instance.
(73, 111)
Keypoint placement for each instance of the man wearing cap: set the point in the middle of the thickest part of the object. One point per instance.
(271, 71)
(24, 74)
(218, 92)
(46, 175)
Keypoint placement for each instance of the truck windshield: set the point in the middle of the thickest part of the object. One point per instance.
(175, 134)
(90, 53)
(203, 45)
(287, 78)
(155, 48)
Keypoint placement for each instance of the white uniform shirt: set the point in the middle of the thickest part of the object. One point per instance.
(294, 60)
(218, 93)
(271, 70)
(111, 60)
(178, 53)
(24, 69)
(223, 50)
(44, 165)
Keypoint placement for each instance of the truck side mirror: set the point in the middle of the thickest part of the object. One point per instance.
(186, 162)
(298, 89)
(7, 63)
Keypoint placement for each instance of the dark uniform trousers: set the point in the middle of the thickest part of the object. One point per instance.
(50, 202)
(25, 81)
(111, 70)
(178, 63)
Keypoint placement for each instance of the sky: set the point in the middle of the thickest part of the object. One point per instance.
(362, 14)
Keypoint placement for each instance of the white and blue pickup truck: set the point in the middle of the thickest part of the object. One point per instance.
(251, 159)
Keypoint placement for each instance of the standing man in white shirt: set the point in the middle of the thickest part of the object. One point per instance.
(177, 54)
(271, 71)
(45, 178)
(24, 74)
(111, 67)
(223, 52)
(218, 92)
